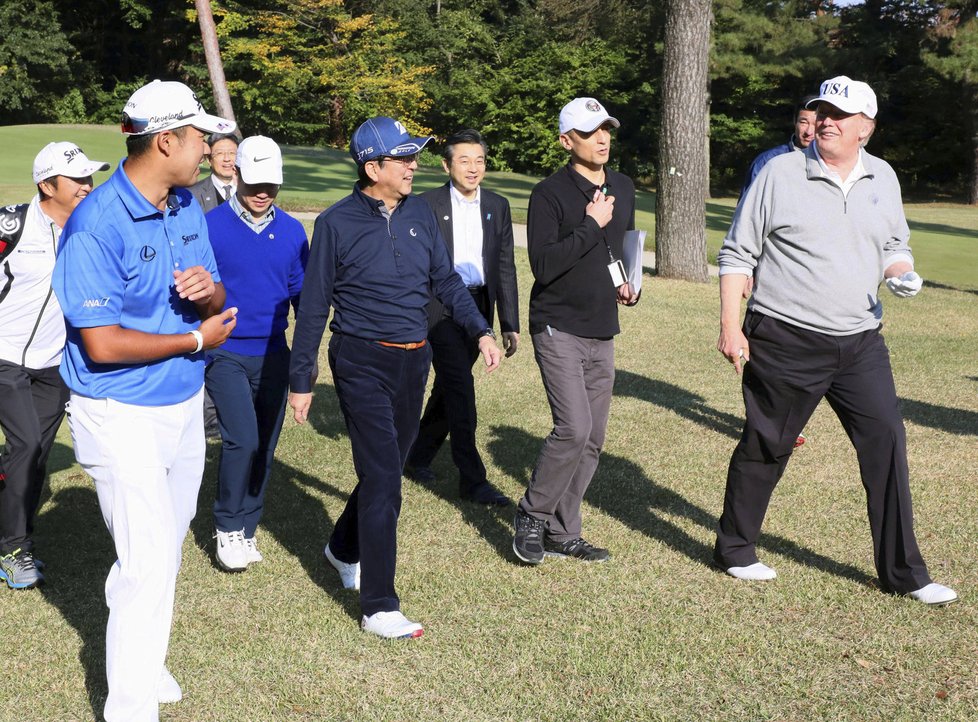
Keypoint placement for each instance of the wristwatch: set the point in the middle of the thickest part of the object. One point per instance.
(487, 332)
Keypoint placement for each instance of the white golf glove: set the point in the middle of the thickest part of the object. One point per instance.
(906, 285)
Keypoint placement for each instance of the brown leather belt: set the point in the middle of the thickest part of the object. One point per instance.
(406, 346)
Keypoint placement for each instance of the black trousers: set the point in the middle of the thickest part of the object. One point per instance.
(790, 370)
(32, 404)
(451, 409)
(380, 390)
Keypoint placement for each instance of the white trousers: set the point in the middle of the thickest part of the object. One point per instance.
(147, 463)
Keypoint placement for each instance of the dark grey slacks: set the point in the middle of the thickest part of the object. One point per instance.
(578, 375)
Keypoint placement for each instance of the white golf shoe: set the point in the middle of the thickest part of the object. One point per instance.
(755, 572)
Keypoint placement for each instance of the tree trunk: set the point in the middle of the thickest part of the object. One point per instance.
(215, 67)
(973, 185)
(680, 224)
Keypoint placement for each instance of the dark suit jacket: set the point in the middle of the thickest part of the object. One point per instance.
(497, 254)
(206, 194)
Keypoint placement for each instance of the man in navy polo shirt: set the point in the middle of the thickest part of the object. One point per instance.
(141, 297)
(376, 257)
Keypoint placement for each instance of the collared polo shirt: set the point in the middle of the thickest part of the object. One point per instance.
(259, 225)
(115, 266)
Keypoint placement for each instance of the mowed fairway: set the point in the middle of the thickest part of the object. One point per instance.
(655, 634)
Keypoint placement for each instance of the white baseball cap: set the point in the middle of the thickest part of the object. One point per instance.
(585, 115)
(65, 159)
(164, 105)
(849, 96)
(259, 160)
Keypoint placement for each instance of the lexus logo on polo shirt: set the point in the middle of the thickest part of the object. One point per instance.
(148, 253)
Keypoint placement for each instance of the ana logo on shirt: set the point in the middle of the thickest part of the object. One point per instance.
(95, 302)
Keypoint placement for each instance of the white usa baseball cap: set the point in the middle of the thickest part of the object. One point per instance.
(65, 159)
(167, 104)
(849, 96)
(259, 160)
(585, 115)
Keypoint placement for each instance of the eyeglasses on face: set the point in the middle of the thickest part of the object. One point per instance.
(402, 159)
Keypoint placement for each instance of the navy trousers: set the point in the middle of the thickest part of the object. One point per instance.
(790, 370)
(249, 393)
(32, 404)
(451, 408)
(380, 390)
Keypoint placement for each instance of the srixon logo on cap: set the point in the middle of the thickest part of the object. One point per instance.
(830, 88)
(71, 153)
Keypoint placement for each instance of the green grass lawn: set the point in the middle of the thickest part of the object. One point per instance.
(655, 634)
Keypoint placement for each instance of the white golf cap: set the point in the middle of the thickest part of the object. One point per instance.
(849, 96)
(259, 160)
(65, 159)
(585, 115)
(164, 105)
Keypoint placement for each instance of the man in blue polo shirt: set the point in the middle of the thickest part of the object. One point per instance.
(377, 256)
(138, 285)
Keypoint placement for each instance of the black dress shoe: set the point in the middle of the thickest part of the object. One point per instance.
(421, 474)
(486, 494)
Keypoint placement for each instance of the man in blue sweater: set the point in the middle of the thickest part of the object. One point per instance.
(261, 253)
(377, 257)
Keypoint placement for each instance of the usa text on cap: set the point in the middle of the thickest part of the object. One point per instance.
(849, 96)
(65, 159)
(384, 136)
(164, 105)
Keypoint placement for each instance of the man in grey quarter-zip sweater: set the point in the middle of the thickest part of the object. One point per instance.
(820, 231)
(32, 334)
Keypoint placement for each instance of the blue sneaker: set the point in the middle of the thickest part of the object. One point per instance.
(19, 571)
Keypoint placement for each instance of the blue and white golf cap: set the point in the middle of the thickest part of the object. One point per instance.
(383, 136)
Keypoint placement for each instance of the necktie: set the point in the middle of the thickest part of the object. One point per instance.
(227, 193)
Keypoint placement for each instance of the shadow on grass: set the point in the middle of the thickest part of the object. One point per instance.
(73, 540)
(719, 216)
(622, 490)
(945, 287)
(944, 418)
(687, 404)
(940, 229)
(493, 523)
(294, 511)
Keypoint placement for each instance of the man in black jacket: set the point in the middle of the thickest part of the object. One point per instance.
(576, 224)
(478, 230)
(221, 184)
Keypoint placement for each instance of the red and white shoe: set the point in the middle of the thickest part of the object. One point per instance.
(391, 625)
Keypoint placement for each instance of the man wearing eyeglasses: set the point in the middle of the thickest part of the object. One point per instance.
(222, 183)
(478, 232)
(576, 224)
(377, 257)
(142, 299)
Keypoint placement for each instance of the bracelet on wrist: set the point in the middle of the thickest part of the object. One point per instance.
(199, 338)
